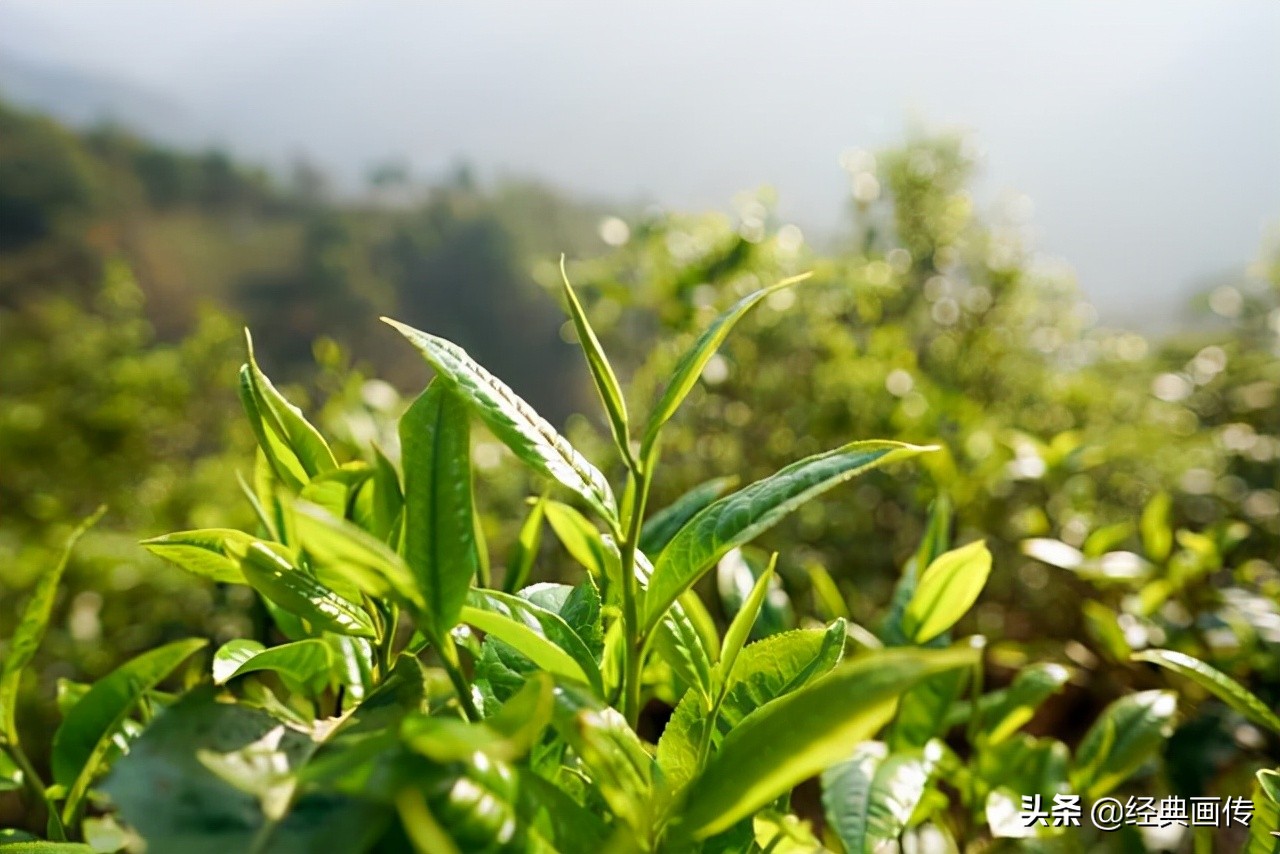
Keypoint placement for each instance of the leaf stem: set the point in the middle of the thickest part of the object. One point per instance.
(634, 647)
(452, 666)
(35, 787)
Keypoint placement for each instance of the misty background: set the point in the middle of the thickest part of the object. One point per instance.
(1144, 135)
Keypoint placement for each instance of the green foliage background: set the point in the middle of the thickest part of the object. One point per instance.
(126, 269)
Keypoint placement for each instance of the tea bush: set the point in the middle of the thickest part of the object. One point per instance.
(409, 696)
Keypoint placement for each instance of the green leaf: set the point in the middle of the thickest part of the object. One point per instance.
(579, 606)
(582, 541)
(1155, 526)
(514, 422)
(439, 532)
(287, 421)
(544, 637)
(621, 768)
(800, 734)
(936, 540)
(505, 736)
(85, 736)
(1215, 682)
(736, 636)
(339, 547)
(828, 602)
(765, 670)
(738, 518)
(1264, 829)
(947, 589)
(525, 549)
(736, 575)
(304, 662)
(30, 631)
(1126, 734)
(677, 642)
(1017, 704)
(923, 710)
(615, 406)
(167, 789)
(659, 528)
(203, 553)
(869, 797)
(302, 595)
(686, 372)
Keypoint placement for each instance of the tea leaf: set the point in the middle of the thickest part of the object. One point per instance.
(798, 735)
(736, 636)
(301, 594)
(525, 549)
(1157, 533)
(740, 517)
(31, 628)
(947, 589)
(689, 368)
(439, 534)
(1215, 682)
(278, 422)
(203, 553)
(544, 637)
(514, 422)
(1017, 704)
(1126, 734)
(85, 736)
(304, 662)
(338, 547)
(582, 541)
(1264, 829)
(869, 797)
(659, 528)
(615, 406)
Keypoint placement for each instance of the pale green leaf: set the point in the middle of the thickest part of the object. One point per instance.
(947, 589)
(606, 382)
(203, 553)
(514, 422)
(1125, 735)
(302, 595)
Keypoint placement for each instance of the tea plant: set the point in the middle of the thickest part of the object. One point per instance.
(419, 702)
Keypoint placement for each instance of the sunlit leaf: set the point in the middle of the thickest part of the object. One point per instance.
(1215, 682)
(946, 590)
(514, 422)
(203, 553)
(740, 517)
(1125, 735)
(869, 797)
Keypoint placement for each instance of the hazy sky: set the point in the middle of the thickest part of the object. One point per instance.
(1147, 134)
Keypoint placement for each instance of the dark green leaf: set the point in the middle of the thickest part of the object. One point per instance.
(1126, 734)
(439, 534)
(541, 635)
(85, 736)
(801, 733)
(304, 662)
(662, 526)
(740, 517)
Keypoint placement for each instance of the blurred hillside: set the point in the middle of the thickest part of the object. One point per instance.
(287, 257)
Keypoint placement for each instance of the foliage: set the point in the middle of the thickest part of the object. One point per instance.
(524, 733)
